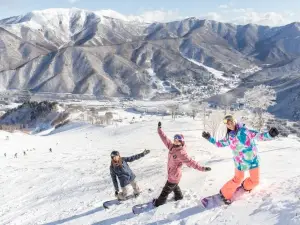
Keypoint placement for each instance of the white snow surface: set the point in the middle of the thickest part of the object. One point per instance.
(217, 73)
(69, 185)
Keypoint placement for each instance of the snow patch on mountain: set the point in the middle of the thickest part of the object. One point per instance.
(217, 73)
(161, 86)
(251, 70)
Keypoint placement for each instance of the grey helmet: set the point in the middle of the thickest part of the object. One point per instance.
(114, 153)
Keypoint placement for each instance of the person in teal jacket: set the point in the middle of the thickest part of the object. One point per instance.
(241, 140)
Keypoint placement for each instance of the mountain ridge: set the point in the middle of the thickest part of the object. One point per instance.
(86, 52)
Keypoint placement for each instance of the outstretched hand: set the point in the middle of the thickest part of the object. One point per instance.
(273, 132)
(206, 169)
(146, 151)
(159, 124)
(206, 135)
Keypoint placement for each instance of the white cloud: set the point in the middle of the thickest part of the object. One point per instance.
(73, 1)
(212, 16)
(146, 16)
(224, 6)
(160, 15)
(248, 15)
(268, 18)
(224, 14)
(113, 14)
(157, 16)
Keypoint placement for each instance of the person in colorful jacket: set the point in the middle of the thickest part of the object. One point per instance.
(120, 169)
(176, 158)
(241, 140)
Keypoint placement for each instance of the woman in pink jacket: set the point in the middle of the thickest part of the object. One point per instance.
(177, 156)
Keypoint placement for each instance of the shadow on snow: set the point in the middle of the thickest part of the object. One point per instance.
(76, 216)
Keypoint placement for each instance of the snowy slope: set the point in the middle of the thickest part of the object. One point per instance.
(69, 185)
(62, 26)
(218, 74)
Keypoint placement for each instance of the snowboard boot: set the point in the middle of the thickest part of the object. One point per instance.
(153, 202)
(226, 201)
(137, 194)
(242, 185)
(177, 198)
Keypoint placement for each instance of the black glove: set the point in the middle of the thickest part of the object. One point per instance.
(205, 169)
(159, 124)
(273, 132)
(146, 152)
(116, 193)
(206, 135)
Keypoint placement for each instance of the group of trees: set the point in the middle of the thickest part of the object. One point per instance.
(27, 112)
(40, 109)
(100, 115)
(255, 103)
(94, 118)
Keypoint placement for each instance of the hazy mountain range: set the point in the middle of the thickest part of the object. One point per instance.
(84, 52)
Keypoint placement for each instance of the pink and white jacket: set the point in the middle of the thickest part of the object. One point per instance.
(177, 156)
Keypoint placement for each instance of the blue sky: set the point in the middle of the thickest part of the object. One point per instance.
(240, 11)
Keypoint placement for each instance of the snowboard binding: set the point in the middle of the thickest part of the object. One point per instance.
(226, 201)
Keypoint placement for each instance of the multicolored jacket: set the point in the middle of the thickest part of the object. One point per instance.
(243, 146)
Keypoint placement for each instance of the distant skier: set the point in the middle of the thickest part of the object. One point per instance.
(50, 149)
(24, 152)
(4, 154)
(177, 156)
(245, 155)
(121, 170)
(16, 155)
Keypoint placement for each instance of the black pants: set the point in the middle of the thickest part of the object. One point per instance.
(168, 188)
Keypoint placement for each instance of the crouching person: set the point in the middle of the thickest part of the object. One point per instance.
(120, 169)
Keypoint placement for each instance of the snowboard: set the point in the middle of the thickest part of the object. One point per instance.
(110, 203)
(216, 200)
(145, 207)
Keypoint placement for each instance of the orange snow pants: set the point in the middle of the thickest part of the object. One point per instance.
(249, 183)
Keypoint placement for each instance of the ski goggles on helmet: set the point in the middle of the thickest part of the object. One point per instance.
(178, 137)
(228, 118)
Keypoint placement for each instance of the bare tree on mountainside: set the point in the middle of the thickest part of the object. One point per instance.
(258, 100)
(214, 121)
(173, 108)
(204, 110)
(108, 117)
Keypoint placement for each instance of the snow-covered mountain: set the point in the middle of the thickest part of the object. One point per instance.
(107, 54)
